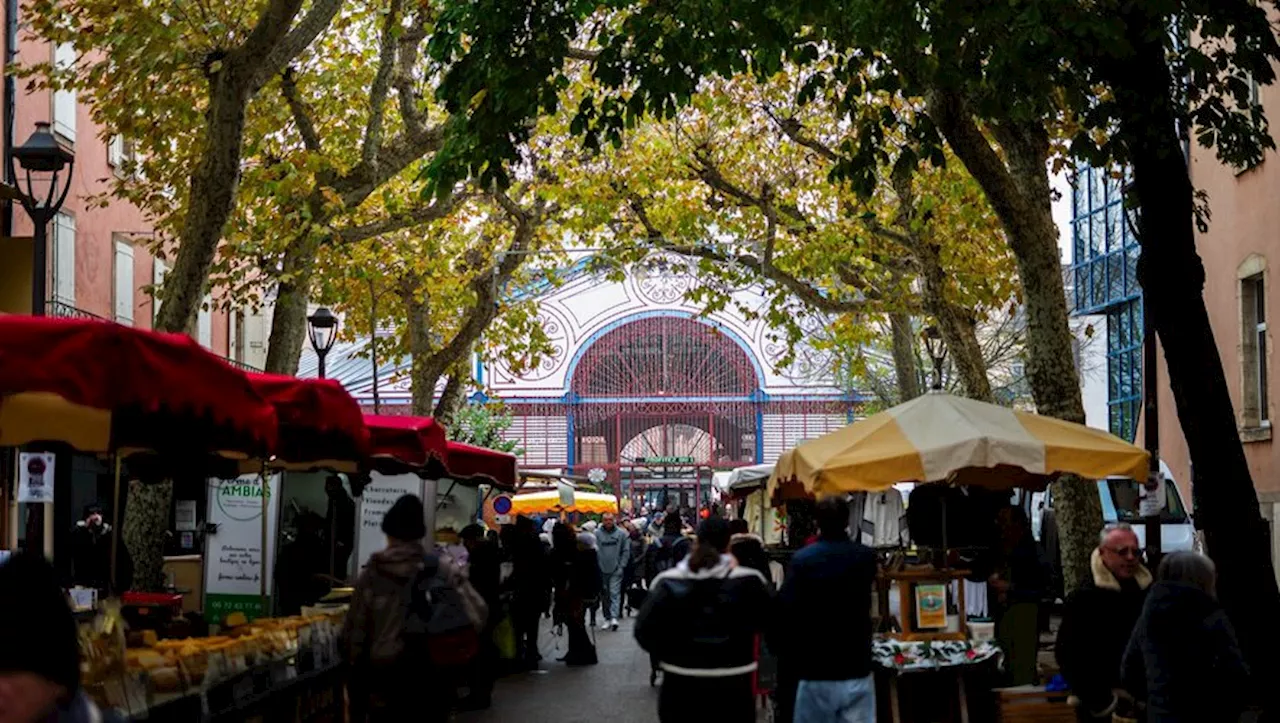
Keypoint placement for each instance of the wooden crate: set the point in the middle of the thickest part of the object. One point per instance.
(1032, 704)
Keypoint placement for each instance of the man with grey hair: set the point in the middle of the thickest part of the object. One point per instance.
(1097, 621)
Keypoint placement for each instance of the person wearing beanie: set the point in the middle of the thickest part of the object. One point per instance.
(382, 686)
(39, 650)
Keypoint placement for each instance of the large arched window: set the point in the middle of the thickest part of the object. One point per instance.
(664, 357)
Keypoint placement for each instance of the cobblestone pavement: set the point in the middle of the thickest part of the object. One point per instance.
(615, 691)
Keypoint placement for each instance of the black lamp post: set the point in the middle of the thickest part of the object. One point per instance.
(42, 157)
(937, 352)
(323, 332)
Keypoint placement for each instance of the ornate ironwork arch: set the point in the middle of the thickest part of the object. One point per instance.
(664, 357)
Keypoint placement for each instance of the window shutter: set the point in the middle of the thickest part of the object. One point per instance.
(158, 271)
(124, 283)
(64, 259)
(115, 151)
(64, 101)
(204, 324)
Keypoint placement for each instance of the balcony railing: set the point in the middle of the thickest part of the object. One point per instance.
(242, 366)
(63, 310)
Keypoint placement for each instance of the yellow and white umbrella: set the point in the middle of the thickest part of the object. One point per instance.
(533, 503)
(940, 437)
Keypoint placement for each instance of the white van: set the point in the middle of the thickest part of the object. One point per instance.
(1119, 498)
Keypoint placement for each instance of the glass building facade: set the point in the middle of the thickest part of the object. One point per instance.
(1104, 280)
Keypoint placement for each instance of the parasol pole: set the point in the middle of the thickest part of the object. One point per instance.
(115, 527)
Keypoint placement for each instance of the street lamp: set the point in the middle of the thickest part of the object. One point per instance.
(42, 159)
(323, 332)
(937, 352)
(42, 156)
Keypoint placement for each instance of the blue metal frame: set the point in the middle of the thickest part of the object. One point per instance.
(1105, 252)
(1104, 272)
(1124, 368)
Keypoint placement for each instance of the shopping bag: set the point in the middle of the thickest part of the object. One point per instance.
(504, 638)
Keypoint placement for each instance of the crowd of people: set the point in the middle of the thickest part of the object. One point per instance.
(577, 576)
(422, 626)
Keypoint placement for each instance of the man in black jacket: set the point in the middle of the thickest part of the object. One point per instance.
(1097, 621)
(823, 637)
(484, 570)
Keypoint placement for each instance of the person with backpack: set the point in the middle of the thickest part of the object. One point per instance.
(412, 626)
(700, 620)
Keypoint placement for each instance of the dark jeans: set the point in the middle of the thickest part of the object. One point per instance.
(695, 700)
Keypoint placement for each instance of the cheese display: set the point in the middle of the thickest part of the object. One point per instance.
(173, 667)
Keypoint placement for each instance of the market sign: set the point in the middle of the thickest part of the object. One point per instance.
(234, 566)
(35, 476)
(378, 497)
(664, 460)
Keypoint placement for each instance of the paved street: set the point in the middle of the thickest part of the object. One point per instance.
(617, 690)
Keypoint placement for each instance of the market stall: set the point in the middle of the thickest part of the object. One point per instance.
(407, 456)
(749, 484)
(551, 501)
(158, 400)
(474, 473)
(158, 405)
(974, 454)
(255, 664)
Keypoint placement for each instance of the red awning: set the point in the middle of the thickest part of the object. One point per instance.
(100, 387)
(467, 460)
(321, 426)
(408, 440)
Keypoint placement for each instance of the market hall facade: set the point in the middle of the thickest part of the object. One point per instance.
(638, 378)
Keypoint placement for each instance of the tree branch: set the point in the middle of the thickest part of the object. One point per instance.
(272, 26)
(803, 290)
(387, 55)
(793, 129)
(589, 56)
(271, 58)
(398, 222)
(301, 113)
(410, 46)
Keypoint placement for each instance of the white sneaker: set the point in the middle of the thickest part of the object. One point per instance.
(615, 626)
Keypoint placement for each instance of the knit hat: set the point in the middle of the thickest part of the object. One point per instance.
(404, 521)
(37, 630)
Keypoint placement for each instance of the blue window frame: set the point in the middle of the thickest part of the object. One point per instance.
(1104, 272)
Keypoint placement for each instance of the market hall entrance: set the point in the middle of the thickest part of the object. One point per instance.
(658, 404)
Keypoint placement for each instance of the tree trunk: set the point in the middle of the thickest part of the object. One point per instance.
(956, 325)
(146, 522)
(905, 370)
(1172, 278)
(421, 350)
(211, 200)
(293, 292)
(1020, 195)
(452, 398)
